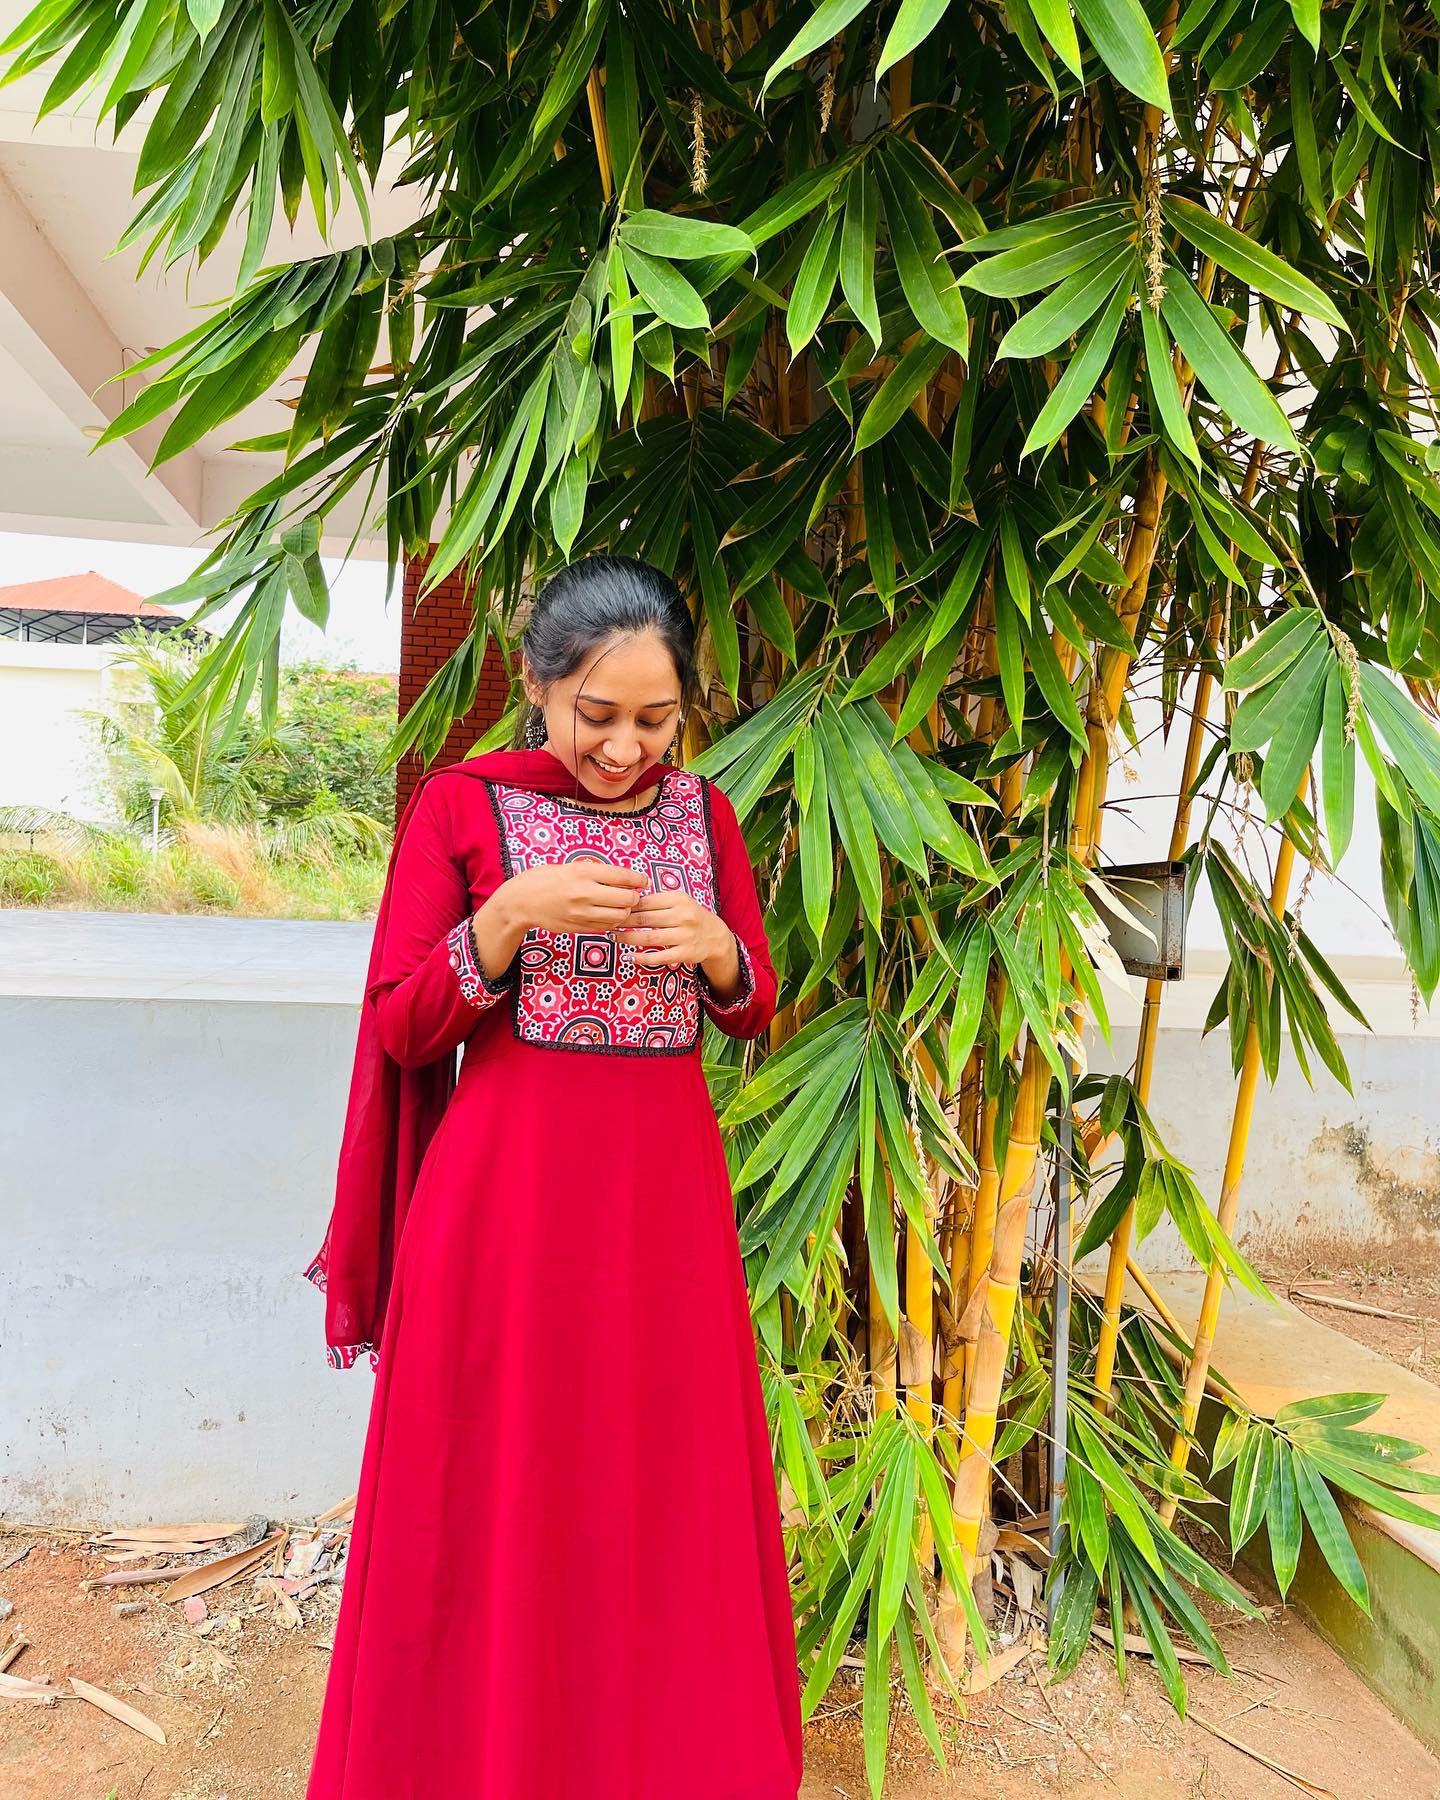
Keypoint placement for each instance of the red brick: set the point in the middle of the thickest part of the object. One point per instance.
(431, 630)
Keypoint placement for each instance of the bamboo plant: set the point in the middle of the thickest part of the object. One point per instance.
(978, 370)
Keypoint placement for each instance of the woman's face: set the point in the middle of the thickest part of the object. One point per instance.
(615, 714)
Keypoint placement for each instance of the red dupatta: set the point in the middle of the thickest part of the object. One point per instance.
(393, 1112)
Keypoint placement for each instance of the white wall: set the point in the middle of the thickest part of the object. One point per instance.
(48, 752)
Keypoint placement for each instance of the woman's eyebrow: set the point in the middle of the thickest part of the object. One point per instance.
(648, 706)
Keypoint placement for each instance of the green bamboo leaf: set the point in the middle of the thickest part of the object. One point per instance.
(914, 22)
(1074, 1616)
(896, 394)
(1277, 646)
(621, 325)
(1082, 375)
(677, 237)
(1282, 1518)
(1030, 266)
(1125, 41)
(817, 857)
(1055, 20)
(929, 286)
(1323, 1517)
(1227, 375)
(852, 820)
(1160, 370)
(1250, 1488)
(898, 1553)
(826, 22)
(814, 284)
(1051, 679)
(1329, 1409)
(666, 291)
(1263, 711)
(1295, 738)
(1337, 766)
(857, 251)
(571, 69)
(1248, 261)
(1069, 308)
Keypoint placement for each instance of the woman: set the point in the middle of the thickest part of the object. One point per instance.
(566, 1577)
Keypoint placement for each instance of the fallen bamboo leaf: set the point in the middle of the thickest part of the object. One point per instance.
(211, 1574)
(985, 1675)
(1185, 1653)
(157, 1546)
(16, 1687)
(1341, 1304)
(1008, 1538)
(117, 1709)
(206, 1531)
(1269, 1762)
(125, 1578)
(15, 1557)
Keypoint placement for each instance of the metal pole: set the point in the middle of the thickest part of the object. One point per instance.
(1060, 1342)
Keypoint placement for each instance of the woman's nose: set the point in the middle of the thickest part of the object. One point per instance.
(620, 748)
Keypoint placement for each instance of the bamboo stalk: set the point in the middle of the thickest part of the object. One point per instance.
(1199, 1367)
(1109, 1338)
(992, 1348)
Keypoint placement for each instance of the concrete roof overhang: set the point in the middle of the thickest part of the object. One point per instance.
(72, 315)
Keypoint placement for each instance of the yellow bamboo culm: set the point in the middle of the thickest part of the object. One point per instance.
(992, 1346)
(1109, 1339)
(960, 1260)
(1199, 1369)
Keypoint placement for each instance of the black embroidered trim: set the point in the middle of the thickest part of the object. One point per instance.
(611, 812)
(746, 993)
(587, 1050)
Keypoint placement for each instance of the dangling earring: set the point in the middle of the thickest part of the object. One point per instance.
(679, 738)
(536, 731)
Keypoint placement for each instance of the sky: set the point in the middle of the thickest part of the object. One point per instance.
(362, 629)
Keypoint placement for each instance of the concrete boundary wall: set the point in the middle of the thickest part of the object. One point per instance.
(171, 1097)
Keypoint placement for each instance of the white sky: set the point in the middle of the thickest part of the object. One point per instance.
(362, 629)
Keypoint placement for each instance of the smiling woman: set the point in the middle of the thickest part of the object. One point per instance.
(572, 912)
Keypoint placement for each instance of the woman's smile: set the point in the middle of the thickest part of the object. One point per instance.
(611, 771)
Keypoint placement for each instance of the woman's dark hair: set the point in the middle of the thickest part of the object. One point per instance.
(588, 602)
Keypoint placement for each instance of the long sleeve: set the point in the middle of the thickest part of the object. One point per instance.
(431, 989)
(753, 1006)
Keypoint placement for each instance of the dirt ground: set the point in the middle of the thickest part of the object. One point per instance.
(239, 1704)
(1395, 1279)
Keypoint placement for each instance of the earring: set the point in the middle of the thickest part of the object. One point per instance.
(679, 738)
(536, 731)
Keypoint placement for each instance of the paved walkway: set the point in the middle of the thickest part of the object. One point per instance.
(182, 956)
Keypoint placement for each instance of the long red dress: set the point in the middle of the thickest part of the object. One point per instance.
(566, 1576)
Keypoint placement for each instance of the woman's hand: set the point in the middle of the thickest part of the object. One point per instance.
(666, 930)
(586, 895)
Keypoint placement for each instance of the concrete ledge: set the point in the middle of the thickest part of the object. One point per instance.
(182, 956)
(1273, 1355)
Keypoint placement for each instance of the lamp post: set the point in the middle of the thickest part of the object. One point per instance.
(157, 794)
(1149, 939)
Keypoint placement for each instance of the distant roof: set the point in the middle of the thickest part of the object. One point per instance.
(87, 593)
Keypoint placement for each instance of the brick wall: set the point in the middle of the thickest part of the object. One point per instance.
(429, 633)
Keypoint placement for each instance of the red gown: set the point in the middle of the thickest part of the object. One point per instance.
(566, 1576)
